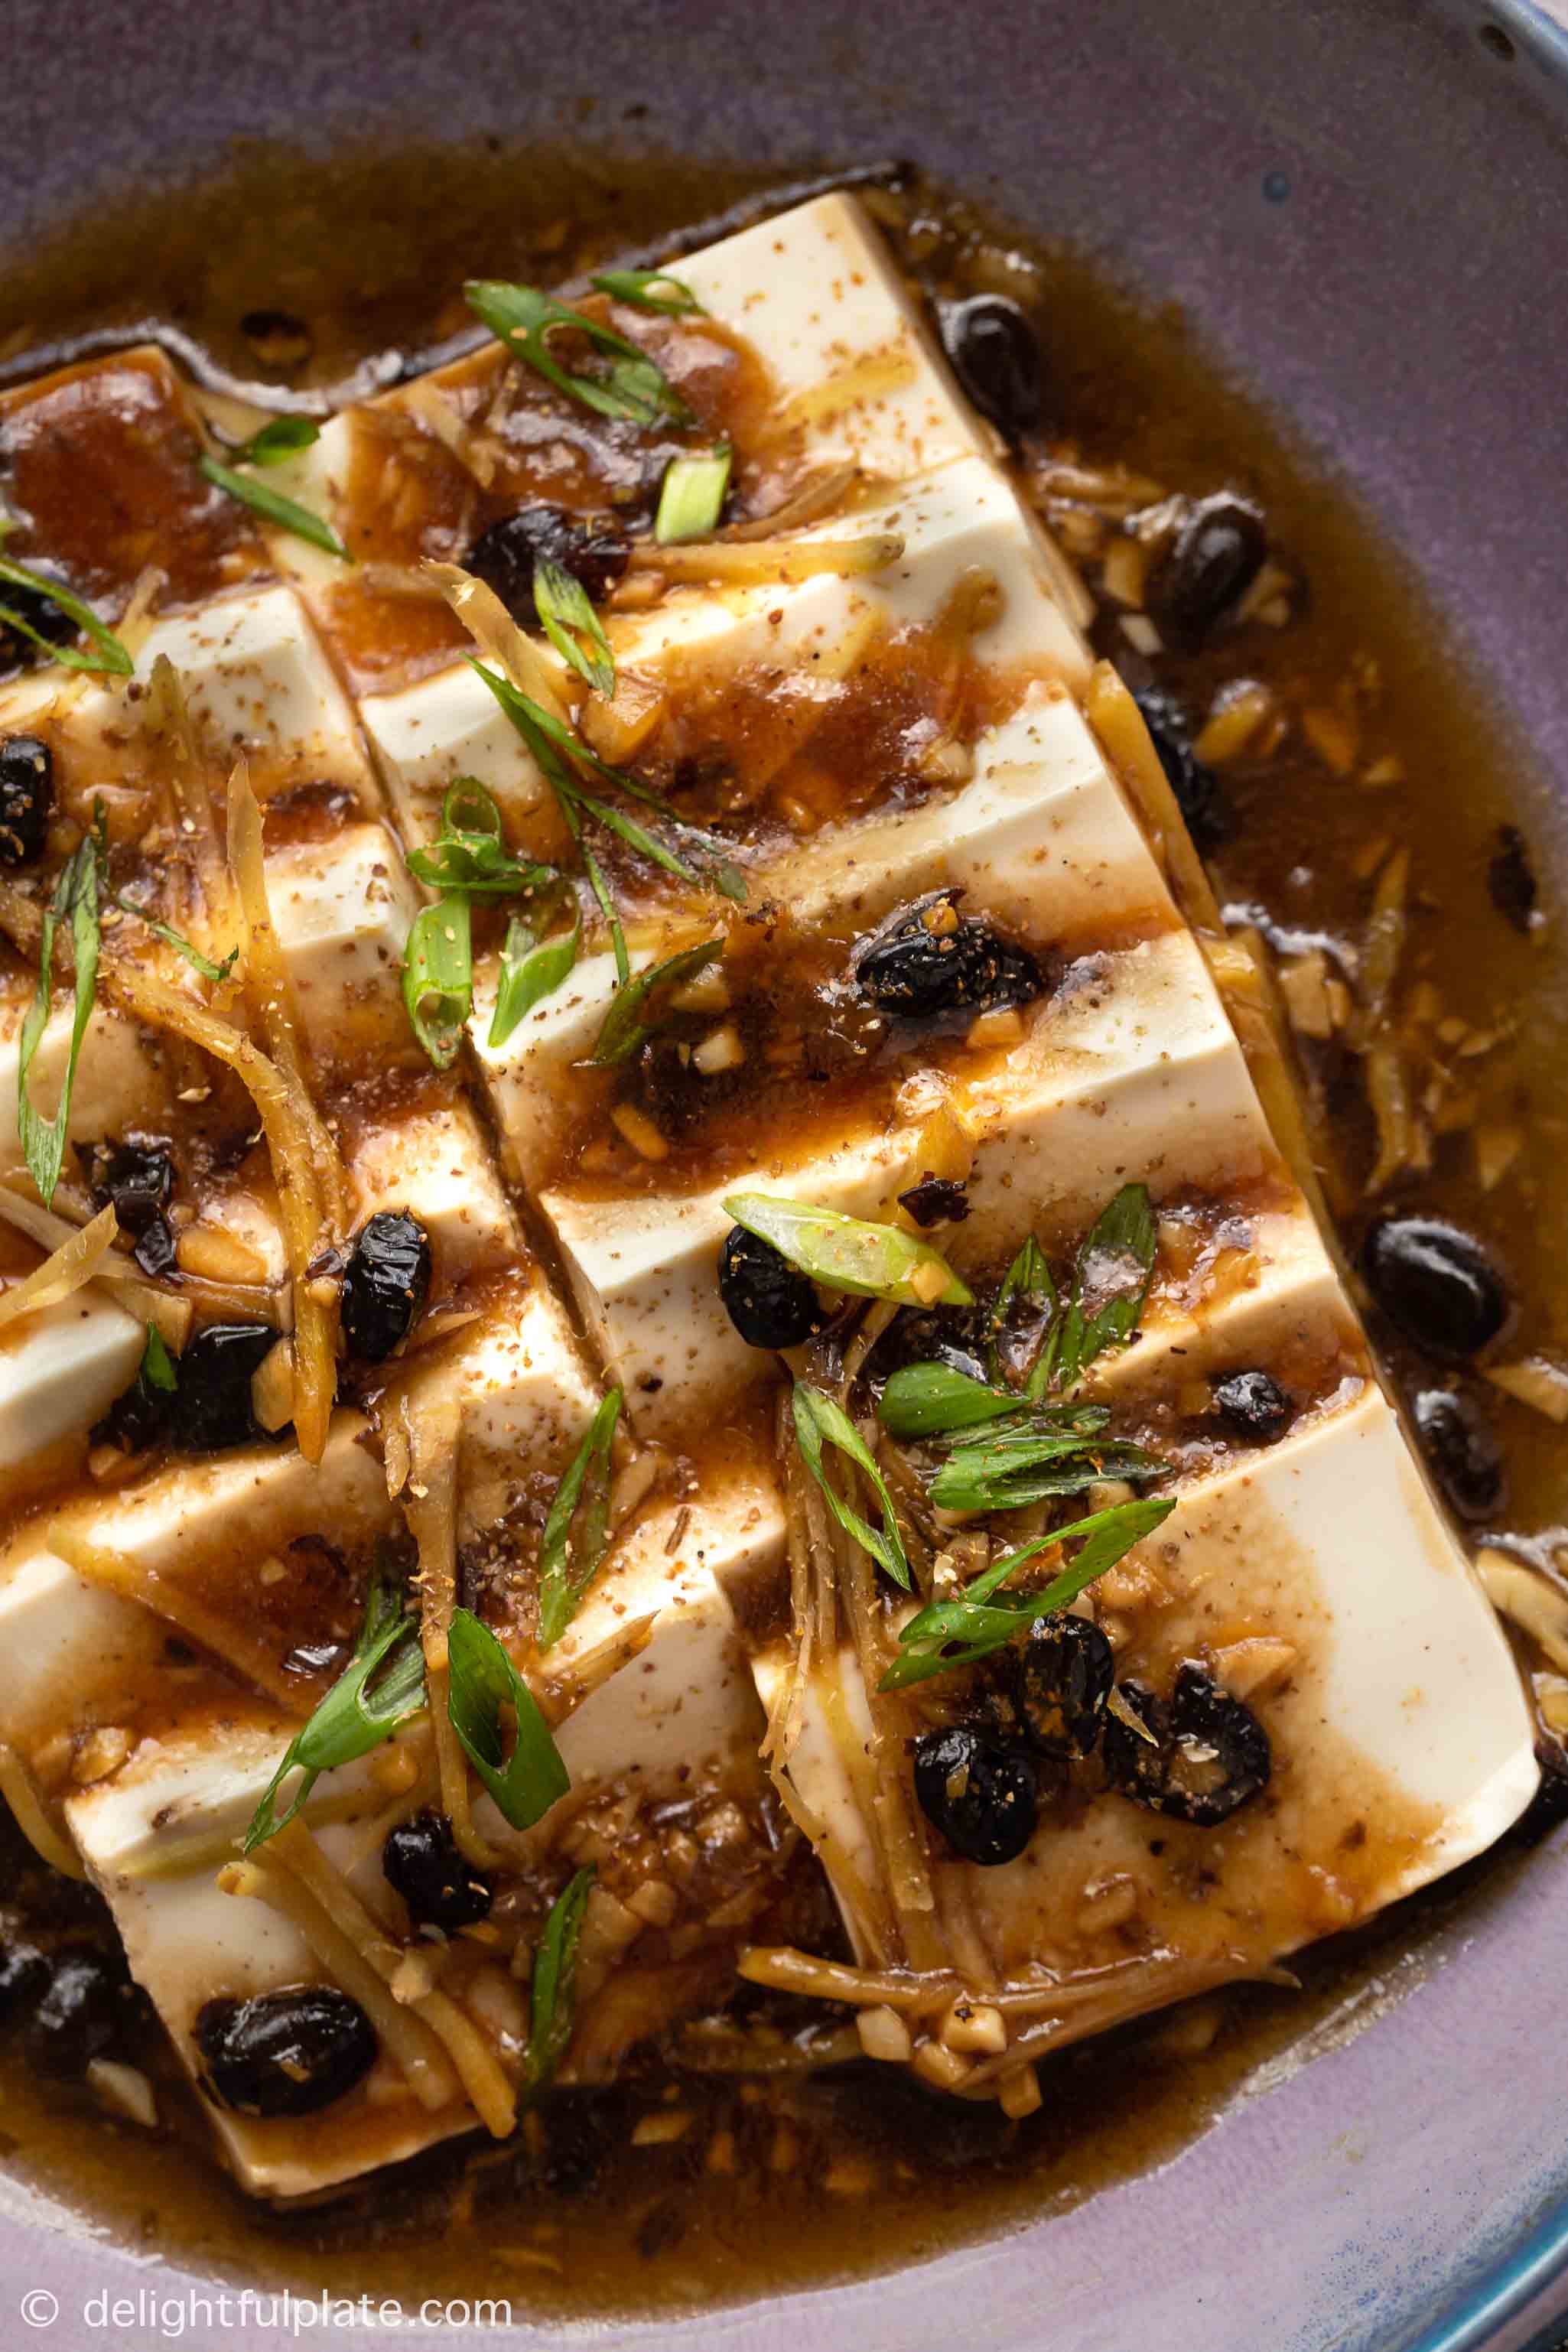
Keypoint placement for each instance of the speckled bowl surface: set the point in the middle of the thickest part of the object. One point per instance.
(1363, 205)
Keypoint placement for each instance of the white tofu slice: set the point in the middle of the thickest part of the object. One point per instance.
(432, 1159)
(61, 1369)
(1143, 1079)
(74, 1649)
(685, 1704)
(1041, 839)
(258, 683)
(444, 727)
(1401, 1739)
(188, 1942)
(962, 519)
(342, 909)
(815, 294)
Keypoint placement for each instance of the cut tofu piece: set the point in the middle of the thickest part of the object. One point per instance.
(188, 1942)
(76, 1650)
(684, 1706)
(429, 1157)
(853, 364)
(954, 523)
(1041, 840)
(1141, 1076)
(61, 1369)
(341, 911)
(1400, 1741)
(258, 687)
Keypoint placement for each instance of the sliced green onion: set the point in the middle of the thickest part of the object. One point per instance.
(75, 900)
(1008, 1470)
(438, 977)
(978, 1624)
(274, 507)
(157, 1366)
(622, 1034)
(356, 1716)
(546, 738)
(553, 1992)
(530, 970)
(649, 290)
(1111, 1282)
(469, 856)
(566, 615)
(576, 1533)
(482, 1682)
(113, 659)
(193, 956)
(850, 1254)
(820, 1420)
(691, 497)
(632, 386)
(922, 1400)
(283, 438)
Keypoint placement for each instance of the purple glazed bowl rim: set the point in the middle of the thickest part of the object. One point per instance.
(1404, 2192)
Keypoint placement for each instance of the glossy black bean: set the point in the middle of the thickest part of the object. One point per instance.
(289, 2052)
(23, 1973)
(385, 1284)
(137, 1178)
(981, 1796)
(1201, 797)
(955, 1336)
(81, 2015)
(155, 1249)
(769, 1301)
(1436, 1283)
(140, 1417)
(441, 1889)
(504, 556)
(1210, 564)
(927, 959)
(1253, 1404)
(1062, 1679)
(995, 354)
(1510, 878)
(212, 1404)
(1209, 1755)
(1461, 1445)
(26, 794)
(936, 1200)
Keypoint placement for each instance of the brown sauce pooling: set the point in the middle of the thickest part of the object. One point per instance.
(779, 2183)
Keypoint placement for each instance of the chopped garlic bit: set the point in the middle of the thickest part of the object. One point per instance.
(884, 2034)
(637, 1130)
(660, 2130)
(969, 2025)
(123, 2090)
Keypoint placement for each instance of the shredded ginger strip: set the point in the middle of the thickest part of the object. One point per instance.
(477, 2067)
(290, 1149)
(75, 1262)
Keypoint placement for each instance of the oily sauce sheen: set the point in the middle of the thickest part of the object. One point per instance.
(304, 275)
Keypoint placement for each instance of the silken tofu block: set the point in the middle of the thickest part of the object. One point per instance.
(201, 1531)
(153, 1837)
(815, 295)
(1142, 1075)
(1317, 1581)
(1040, 839)
(257, 686)
(811, 632)
(60, 1370)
